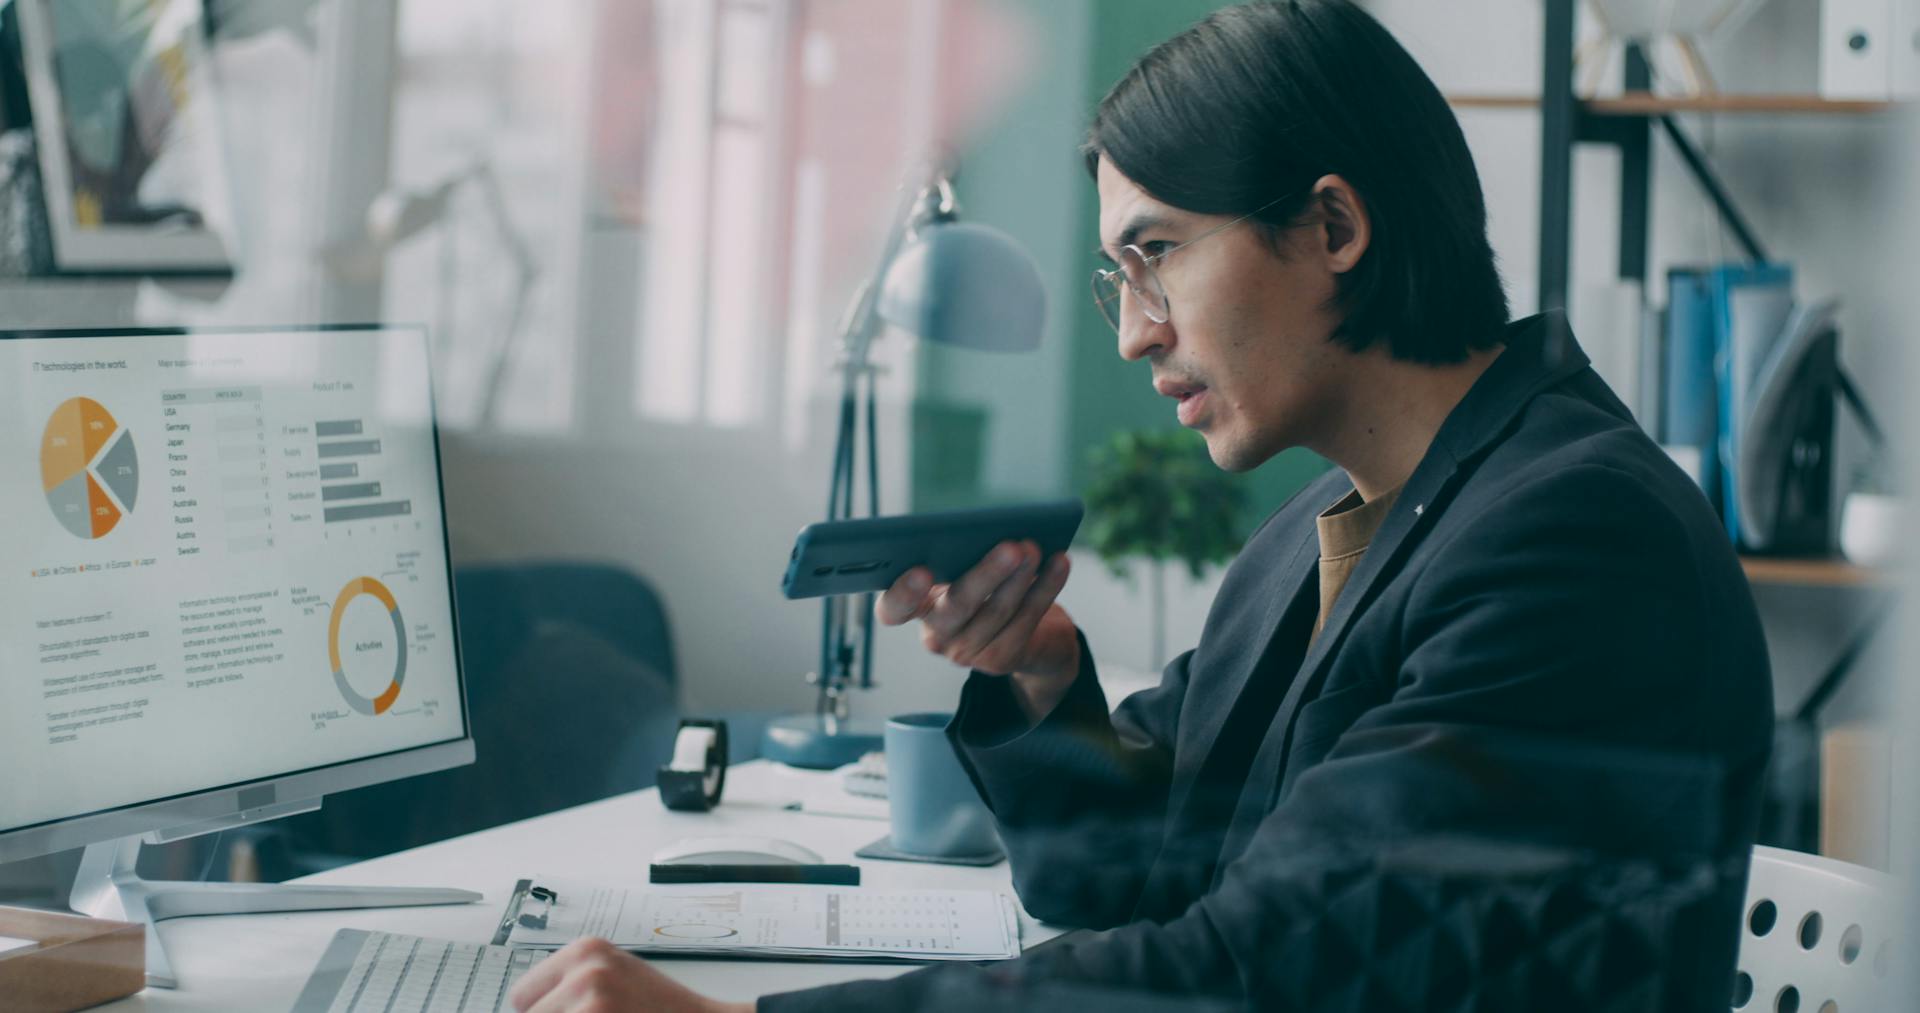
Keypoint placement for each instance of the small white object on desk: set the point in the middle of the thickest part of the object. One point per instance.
(866, 777)
(736, 851)
(690, 749)
(693, 779)
(833, 793)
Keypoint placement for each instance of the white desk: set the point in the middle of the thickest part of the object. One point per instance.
(259, 962)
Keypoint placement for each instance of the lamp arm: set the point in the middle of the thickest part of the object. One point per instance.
(526, 273)
(934, 197)
(482, 176)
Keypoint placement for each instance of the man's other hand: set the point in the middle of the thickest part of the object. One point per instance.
(592, 976)
(999, 618)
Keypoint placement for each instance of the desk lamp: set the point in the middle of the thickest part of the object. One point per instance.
(397, 215)
(964, 285)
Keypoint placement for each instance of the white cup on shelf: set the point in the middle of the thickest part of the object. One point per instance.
(1870, 528)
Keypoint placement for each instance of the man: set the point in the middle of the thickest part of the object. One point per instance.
(1505, 616)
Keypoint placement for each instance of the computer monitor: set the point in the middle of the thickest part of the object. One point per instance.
(224, 594)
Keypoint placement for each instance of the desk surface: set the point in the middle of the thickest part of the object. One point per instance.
(260, 962)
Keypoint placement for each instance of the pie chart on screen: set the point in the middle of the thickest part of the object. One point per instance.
(88, 468)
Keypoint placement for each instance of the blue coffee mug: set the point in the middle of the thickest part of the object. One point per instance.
(934, 809)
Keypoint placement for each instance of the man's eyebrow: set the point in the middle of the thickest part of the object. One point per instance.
(1131, 233)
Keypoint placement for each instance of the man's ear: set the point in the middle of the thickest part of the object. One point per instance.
(1345, 229)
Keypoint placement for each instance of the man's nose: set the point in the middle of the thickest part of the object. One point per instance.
(1140, 335)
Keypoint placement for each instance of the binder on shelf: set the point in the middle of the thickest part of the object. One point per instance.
(1690, 404)
(1857, 47)
(1751, 308)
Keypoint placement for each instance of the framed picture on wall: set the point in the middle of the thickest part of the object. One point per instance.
(125, 114)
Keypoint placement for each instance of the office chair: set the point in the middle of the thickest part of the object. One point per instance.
(1817, 935)
(571, 689)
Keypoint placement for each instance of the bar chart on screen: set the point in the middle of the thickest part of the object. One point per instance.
(350, 459)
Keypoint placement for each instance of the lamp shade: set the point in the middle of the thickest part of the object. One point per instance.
(966, 285)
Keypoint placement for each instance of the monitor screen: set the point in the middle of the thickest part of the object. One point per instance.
(224, 562)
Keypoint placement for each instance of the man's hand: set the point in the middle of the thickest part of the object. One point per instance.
(1000, 617)
(591, 976)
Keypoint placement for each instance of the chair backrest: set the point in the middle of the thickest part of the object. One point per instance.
(572, 686)
(1818, 936)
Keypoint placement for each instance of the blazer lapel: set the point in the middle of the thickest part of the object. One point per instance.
(1540, 353)
(1243, 652)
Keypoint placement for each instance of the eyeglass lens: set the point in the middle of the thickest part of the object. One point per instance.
(1135, 273)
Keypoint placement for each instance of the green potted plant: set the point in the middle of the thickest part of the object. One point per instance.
(1156, 495)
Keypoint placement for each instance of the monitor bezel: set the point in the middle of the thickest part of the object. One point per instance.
(229, 803)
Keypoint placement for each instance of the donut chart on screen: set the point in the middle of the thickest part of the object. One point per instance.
(88, 468)
(358, 701)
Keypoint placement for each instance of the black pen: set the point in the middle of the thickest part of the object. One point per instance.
(812, 875)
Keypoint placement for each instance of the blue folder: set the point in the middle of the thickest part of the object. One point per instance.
(1751, 307)
(1690, 401)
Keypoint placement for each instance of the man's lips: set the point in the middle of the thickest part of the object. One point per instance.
(1190, 395)
(1190, 407)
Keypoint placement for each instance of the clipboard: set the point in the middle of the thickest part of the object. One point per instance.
(765, 921)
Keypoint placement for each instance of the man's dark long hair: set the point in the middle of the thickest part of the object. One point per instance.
(1259, 101)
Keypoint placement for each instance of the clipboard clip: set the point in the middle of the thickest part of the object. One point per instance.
(547, 899)
(515, 915)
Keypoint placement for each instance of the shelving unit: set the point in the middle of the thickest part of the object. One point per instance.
(1628, 122)
(1649, 104)
(1777, 572)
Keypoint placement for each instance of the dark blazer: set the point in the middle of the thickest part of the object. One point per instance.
(1550, 640)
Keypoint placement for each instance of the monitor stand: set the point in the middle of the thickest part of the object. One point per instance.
(108, 887)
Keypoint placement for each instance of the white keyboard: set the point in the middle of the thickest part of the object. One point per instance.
(378, 972)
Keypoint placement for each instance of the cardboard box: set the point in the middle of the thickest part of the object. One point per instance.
(1856, 795)
(78, 962)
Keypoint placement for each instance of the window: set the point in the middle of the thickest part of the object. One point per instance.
(784, 129)
(493, 93)
(715, 206)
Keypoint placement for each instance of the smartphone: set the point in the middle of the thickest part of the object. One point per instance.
(857, 556)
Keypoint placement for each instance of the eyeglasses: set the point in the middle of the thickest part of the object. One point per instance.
(1136, 274)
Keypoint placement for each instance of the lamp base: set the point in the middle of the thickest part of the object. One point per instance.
(807, 740)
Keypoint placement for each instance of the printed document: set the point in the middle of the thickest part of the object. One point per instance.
(780, 921)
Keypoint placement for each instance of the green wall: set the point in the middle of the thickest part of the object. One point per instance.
(1103, 393)
(1106, 393)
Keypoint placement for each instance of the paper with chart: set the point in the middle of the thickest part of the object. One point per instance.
(793, 921)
